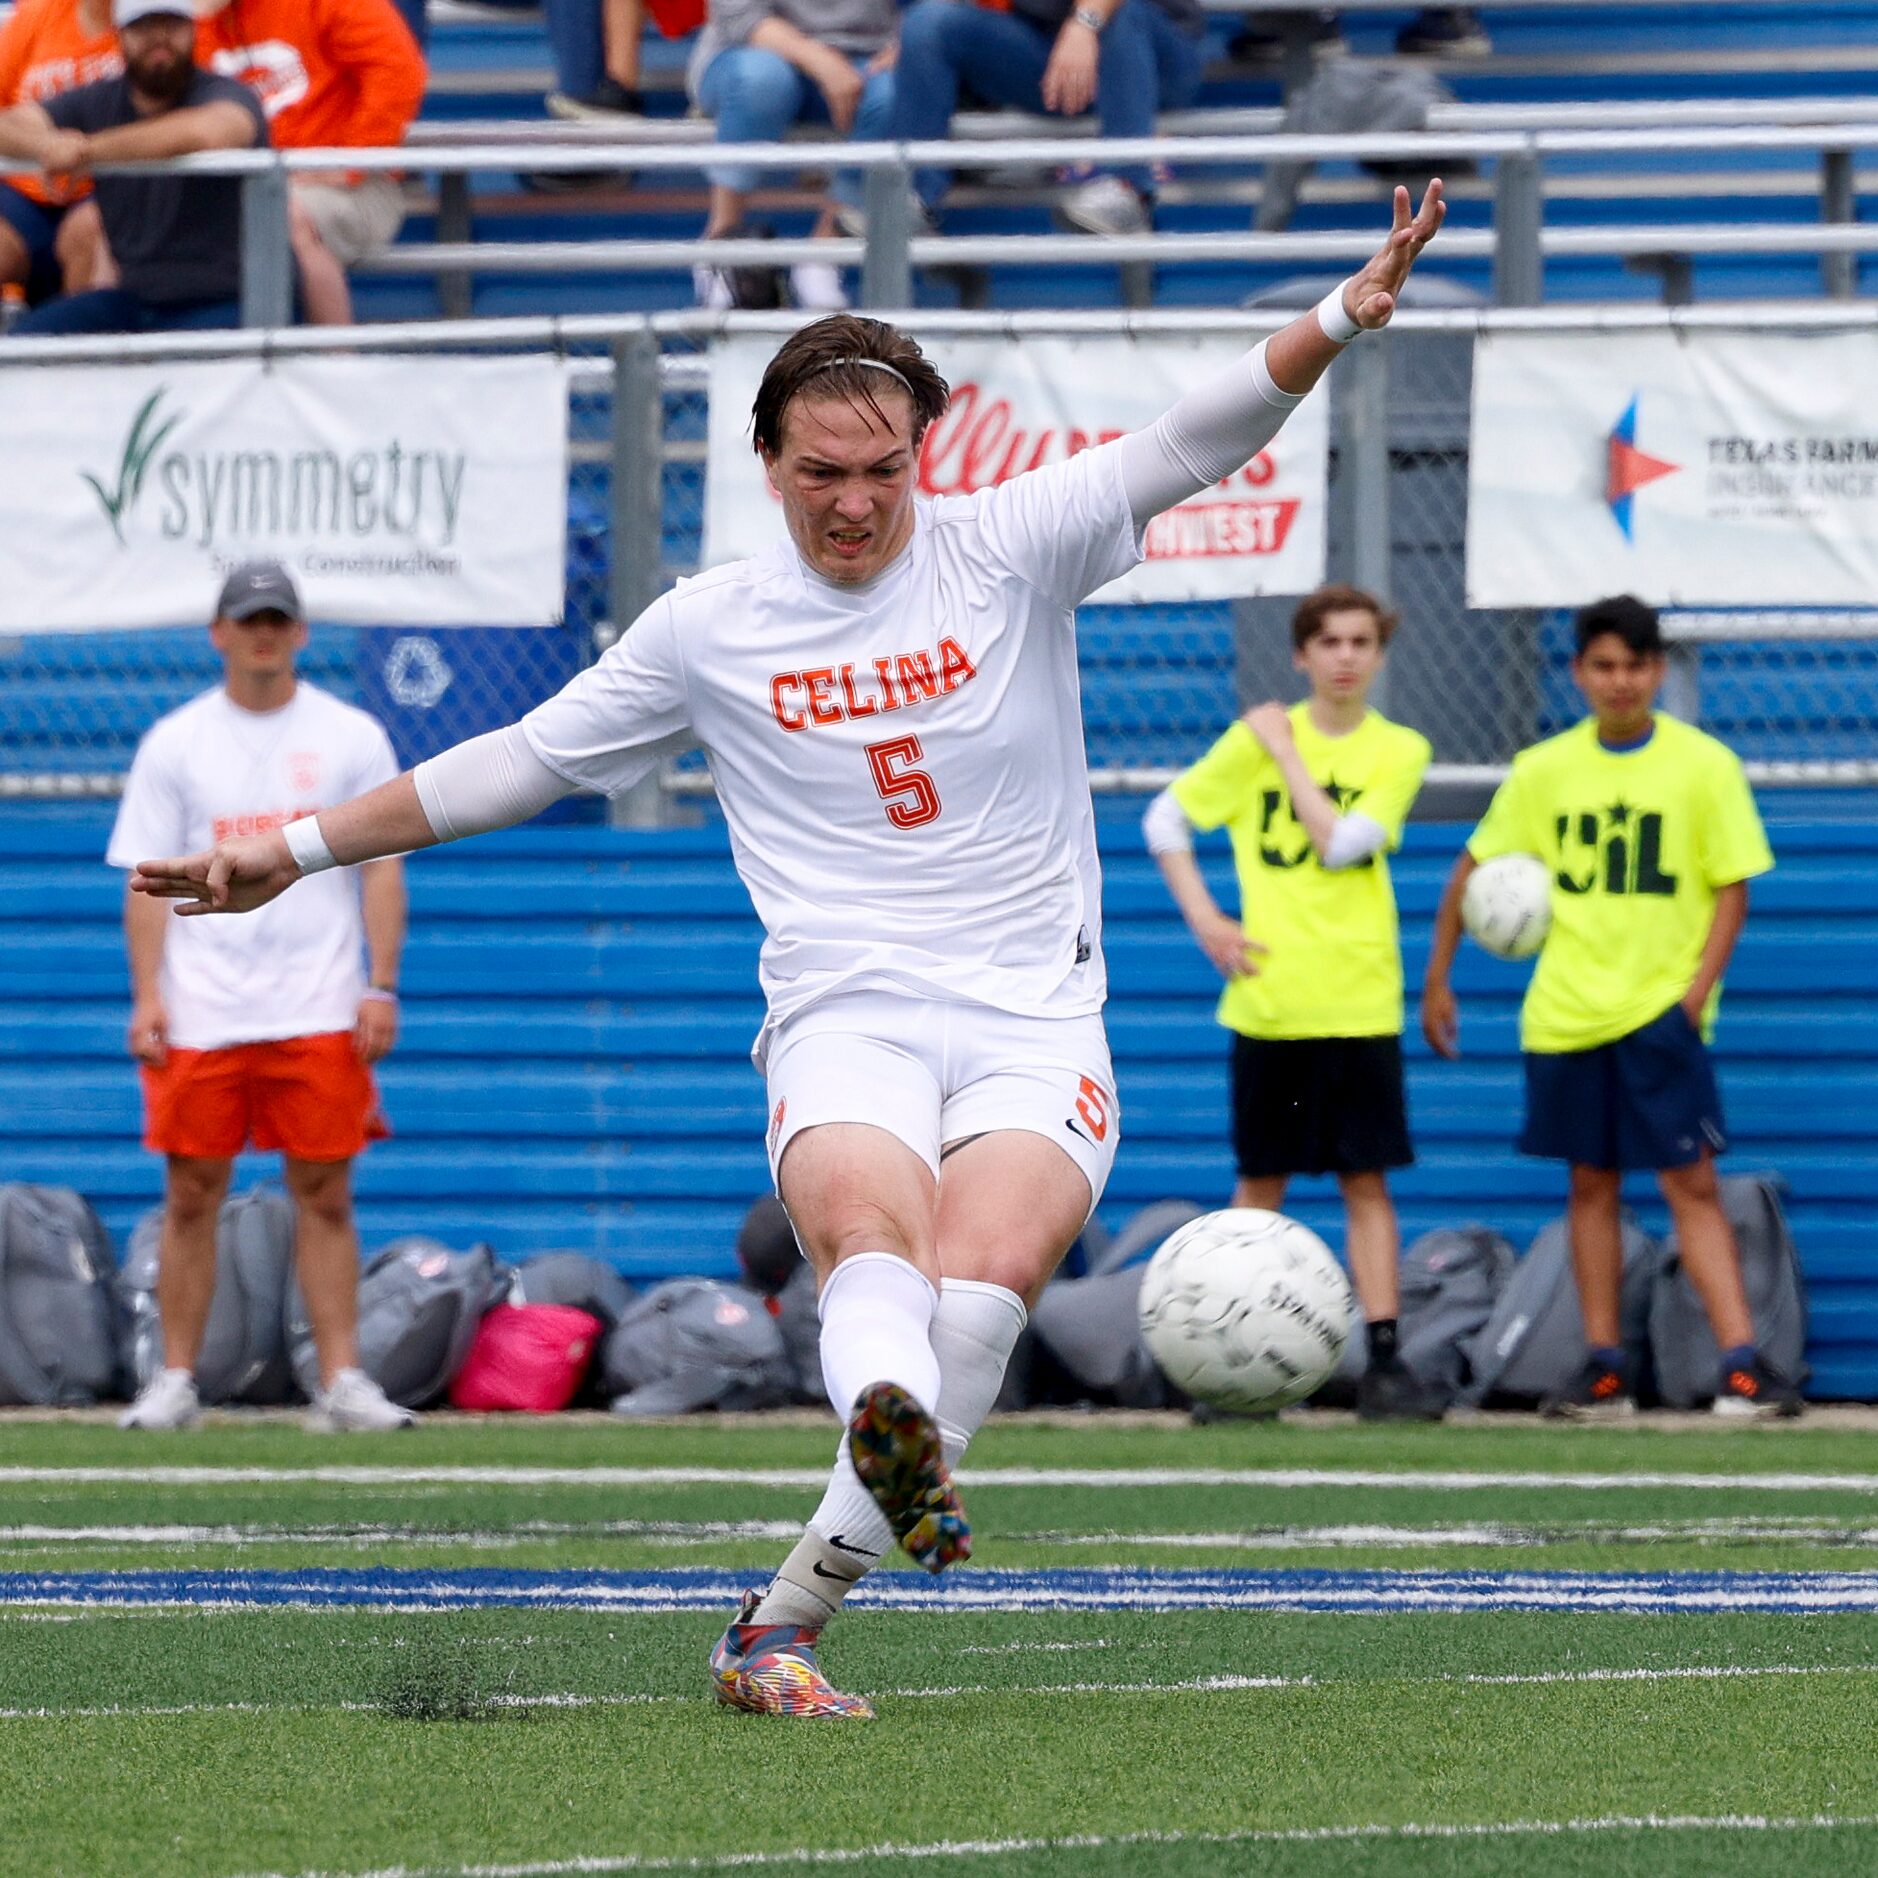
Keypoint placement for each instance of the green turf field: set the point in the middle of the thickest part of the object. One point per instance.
(1346, 1682)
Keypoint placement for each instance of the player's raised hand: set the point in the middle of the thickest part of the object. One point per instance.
(231, 877)
(1370, 296)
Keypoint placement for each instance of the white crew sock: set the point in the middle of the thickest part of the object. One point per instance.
(974, 1330)
(877, 1314)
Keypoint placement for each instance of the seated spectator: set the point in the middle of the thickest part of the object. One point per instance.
(1434, 33)
(596, 58)
(176, 238)
(761, 66)
(48, 243)
(1127, 58)
(329, 73)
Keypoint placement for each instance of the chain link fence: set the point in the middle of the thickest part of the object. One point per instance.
(1159, 681)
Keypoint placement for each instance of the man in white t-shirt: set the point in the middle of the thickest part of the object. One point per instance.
(888, 700)
(260, 1032)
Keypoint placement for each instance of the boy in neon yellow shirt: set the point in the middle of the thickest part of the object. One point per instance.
(1652, 836)
(1314, 798)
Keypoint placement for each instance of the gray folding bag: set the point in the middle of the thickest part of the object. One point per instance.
(58, 1336)
(1688, 1363)
(1533, 1345)
(419, 1306)
(588, 1284)
(800, 1322)
(693, 1343)
(244, 1344)
(1091, 1328)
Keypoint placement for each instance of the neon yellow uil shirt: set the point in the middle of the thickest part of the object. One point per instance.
(1639, 842)
(1334, 968)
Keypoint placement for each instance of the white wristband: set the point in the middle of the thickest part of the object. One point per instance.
(1333, 321)
(308, 846)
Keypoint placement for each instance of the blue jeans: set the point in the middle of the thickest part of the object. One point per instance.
(116, 310)
(574, 38)
(1147, 64)
(755, 95)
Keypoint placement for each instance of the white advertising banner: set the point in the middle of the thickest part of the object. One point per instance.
(1020, 403)
(1700, 469)
(399, 491)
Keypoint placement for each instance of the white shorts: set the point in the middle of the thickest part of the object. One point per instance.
(934, 1074)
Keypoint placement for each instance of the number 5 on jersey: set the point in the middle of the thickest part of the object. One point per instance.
(911, 798)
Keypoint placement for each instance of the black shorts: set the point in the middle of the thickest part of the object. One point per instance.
(1318, 1105)
(1648, 1100)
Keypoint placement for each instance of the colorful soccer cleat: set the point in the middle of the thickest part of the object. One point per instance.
(770, 1669)
(895, 1449)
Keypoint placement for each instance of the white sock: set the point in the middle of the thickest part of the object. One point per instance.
(877, 1314)
(974, 1330)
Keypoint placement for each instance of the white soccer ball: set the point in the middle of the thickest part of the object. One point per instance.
(1506, 905)
(1245, 1309)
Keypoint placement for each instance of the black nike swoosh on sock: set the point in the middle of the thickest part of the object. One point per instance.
(841, 1545)
(822, 1571)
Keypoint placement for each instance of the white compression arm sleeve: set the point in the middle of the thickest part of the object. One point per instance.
(1355, 838)
(1165, 826)
(492, 781)
(1215, 429)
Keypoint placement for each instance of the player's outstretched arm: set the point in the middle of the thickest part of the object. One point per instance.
(492, 781)
(1222, 425)
(238, 875)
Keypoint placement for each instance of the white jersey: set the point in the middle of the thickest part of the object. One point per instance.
(209, 770)
(900, 763)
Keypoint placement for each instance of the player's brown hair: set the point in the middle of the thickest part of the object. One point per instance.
(1308, 621)
(823, 359)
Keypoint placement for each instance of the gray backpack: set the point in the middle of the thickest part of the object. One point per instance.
(800, 1324)
(693, 1343)
(244, 1344)
(1090, 1330)
(419, 1306)
(1683, 1347)
(1533, 1345)
(588, 1284)
(1451, 1280)
(58, 1330)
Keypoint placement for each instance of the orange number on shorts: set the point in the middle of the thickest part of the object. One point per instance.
(911, 799)
(1093, 1106)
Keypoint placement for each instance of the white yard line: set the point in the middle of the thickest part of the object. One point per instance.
(1095, 1841)
(808, 1477)
(1192, 1685)
(652, 1531)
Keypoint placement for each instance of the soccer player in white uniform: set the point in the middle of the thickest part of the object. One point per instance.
(888, 701)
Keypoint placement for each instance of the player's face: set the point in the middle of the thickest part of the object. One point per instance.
(261, 646)
(846, 483)
(1342, 658)
(1619, 685)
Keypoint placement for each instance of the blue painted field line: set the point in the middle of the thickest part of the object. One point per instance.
(1119, 1589)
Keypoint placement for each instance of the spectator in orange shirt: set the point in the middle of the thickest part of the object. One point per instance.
(46, 47)
(329, 73)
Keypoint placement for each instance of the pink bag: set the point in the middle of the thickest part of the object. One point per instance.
(531, 1357)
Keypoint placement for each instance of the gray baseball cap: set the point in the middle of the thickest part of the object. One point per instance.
(259, 587)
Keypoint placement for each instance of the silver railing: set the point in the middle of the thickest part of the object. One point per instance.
(636, 377)
(1518, 245)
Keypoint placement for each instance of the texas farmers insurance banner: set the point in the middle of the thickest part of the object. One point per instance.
(1019, 403)
(1709, 469)
(408, 491)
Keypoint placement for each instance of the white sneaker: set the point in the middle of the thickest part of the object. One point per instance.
(817, 287)
(354, 1403)
(1105, 205)
(169, 1400)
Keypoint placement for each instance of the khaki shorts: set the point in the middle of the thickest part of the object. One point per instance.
(354, 219)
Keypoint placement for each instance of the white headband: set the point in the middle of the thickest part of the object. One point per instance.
(873, 365)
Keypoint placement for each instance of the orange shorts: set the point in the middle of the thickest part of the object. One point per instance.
(310, 1097)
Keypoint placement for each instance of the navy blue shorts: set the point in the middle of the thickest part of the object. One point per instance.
(1649, 1100)
(37, 225)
